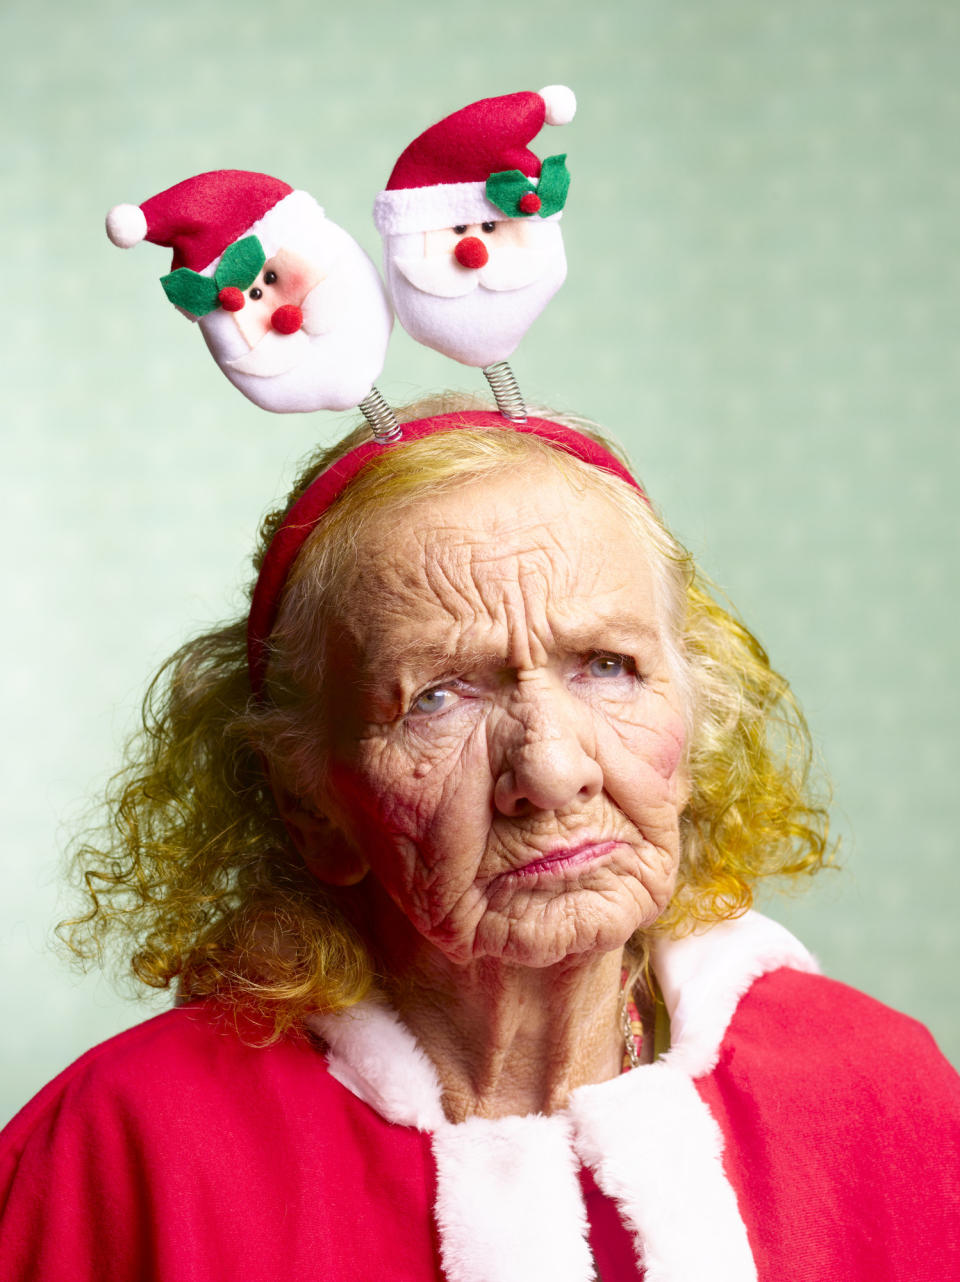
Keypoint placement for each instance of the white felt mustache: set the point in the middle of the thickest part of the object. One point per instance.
(278, 353)
(508, 268)
(274, 354)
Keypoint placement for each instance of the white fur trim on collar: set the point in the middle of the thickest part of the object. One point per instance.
(509, 1205)
(377, 1059)
(704, 975)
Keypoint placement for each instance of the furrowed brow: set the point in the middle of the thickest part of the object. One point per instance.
(607, 632)
(618, 631)
(427, 658)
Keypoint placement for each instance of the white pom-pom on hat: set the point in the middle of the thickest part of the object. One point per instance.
(126, 225)
(561, 104)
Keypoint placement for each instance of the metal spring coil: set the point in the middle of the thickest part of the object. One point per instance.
(380, 416)
(506, 392)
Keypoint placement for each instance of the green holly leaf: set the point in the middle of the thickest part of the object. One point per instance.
(507, 188)
(504, 190)
(240, 264)
(196, 294)
(553, 186)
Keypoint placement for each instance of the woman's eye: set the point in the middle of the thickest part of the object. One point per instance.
(611, 665)
(439, 699)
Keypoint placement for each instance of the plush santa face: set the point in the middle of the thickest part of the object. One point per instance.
(292, 309)
(311, 330)
(470, 225)
(473, 290)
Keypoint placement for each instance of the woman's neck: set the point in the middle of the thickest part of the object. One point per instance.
(512, 1039)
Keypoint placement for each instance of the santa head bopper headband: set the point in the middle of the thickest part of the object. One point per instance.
(295, 314)
(470, 225)
(292, 310)
(305, 513)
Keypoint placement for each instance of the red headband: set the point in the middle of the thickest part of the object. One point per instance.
(302, 518)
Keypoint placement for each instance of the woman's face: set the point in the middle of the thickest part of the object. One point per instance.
(504, 741)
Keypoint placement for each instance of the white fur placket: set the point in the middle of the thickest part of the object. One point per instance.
(656, 1150)
(509, 1206)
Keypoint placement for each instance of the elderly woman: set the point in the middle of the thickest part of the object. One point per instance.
(449, 851)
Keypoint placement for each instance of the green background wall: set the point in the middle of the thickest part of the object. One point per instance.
(762, 304)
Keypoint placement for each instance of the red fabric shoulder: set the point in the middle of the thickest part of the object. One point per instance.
(842, 1128)
(162, 1037)
(180, 1150)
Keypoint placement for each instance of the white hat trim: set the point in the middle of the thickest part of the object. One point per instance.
(410, 209)
(280, 225)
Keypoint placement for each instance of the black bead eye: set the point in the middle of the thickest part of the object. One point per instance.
(256, 292)
(460, 228)
(269, 278)
(488, 227)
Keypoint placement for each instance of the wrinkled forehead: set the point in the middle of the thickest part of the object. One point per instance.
(528, 542)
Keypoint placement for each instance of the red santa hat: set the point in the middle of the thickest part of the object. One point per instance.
(440, 179)
(199, 217)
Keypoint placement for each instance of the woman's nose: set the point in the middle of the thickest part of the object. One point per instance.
(548, 768)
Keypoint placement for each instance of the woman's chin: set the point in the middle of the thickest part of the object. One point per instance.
(550, 933)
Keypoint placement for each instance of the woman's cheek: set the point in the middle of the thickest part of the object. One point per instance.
(437, 751)
(442, 743)
(410, 778)
(651, 732)
(671, 742)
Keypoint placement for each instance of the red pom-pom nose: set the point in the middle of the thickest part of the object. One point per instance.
(230, 298)
(471, 252)
(287, 319)
(529, 202)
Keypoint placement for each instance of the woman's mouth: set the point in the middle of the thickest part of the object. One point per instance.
(565, 859)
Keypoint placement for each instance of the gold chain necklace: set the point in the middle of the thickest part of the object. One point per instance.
(629, 1041)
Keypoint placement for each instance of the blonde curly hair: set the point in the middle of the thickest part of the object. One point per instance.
(192, 879)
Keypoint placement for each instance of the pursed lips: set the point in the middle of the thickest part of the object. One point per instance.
(562, 858)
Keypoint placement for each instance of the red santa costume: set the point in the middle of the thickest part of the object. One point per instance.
(796, 1130)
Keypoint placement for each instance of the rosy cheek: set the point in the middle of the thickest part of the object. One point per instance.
(669, 748)
(377, 801)
(292, 288)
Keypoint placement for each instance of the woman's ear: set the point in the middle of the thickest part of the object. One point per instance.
(320, 844)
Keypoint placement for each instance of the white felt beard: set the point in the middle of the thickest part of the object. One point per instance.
(485, 325)
(341, 353)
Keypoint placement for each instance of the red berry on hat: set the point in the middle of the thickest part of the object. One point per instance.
(471, 252)
(230, 298)
(529, 202)
(287, 319)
